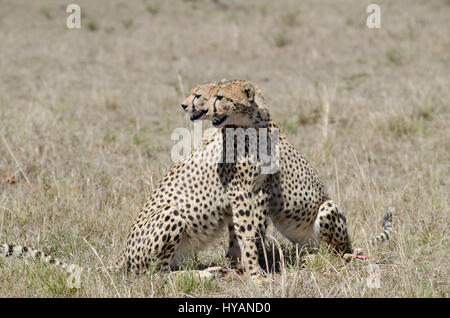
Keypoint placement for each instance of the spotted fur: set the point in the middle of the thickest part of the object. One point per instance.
(19, 251)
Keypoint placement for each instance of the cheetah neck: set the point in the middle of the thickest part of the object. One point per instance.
(259, 118)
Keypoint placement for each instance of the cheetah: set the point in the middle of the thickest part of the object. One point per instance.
(193, 105)
(299, 205)
(190, 207)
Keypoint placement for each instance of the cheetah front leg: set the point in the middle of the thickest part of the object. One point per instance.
(234, 251)
(249, 220)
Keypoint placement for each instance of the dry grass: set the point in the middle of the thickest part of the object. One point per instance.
(86, 117)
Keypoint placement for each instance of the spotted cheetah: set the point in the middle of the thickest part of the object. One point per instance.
(193, 105)
(299, 205)
(190, 207)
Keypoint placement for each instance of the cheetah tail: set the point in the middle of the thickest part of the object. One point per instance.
(19, 251)
(387, 229)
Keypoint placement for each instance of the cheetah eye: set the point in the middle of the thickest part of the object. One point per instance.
(197, 96)
(219, 97)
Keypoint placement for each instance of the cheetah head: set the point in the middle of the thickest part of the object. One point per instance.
(236, 103)
(194, 104)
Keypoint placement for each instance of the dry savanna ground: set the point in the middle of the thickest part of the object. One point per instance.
(86, 118)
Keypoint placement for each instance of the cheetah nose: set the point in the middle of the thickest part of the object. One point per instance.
(184, 106)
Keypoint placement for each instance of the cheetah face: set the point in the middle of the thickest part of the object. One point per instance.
(194, 104)
(231, 105)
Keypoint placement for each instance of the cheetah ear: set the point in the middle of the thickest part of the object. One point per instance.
(250, 92)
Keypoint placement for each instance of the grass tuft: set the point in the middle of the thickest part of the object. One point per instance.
(46, 12)
(290, 18)
(393, 56)
(127, 23)
(281, 38)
